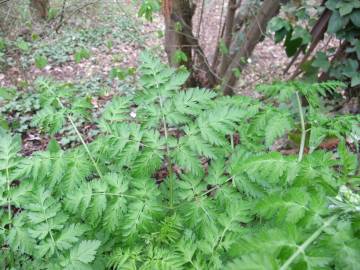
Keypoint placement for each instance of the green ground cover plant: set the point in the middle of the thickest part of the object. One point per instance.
(183, 179)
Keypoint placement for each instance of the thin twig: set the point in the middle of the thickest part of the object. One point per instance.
(201, 18)
(258, 23)
(4, 1)
(74, 12)
(61, 16)
(220, 23)
(220, 34)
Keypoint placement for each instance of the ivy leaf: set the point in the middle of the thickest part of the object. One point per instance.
(350, 71)
(303, 34)
(350, 68)
(355, 18)
(321, 61)
(281, 27)
(356, 48)
(292, 44)
(347, 7)
(355, 80)
(335, 23)
(331, 4)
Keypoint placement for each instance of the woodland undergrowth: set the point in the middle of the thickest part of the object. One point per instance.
(226, 200)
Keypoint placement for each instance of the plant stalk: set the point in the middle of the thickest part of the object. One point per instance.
(8, 195)
(85, 146)
(50, 233)
(82, 140)
(307, 243)
(169, 167)
(303, 130)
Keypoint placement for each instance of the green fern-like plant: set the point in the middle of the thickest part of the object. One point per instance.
(177, 179)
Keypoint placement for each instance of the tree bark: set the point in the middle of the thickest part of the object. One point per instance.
(228, 35)
(179, 37)
(39, 9)
(253, 34)
(178, 16)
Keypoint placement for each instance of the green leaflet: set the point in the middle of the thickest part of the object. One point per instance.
(349, 161)
(270, 168)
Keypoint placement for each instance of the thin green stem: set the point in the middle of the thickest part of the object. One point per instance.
(171, 184)
(303, 130)
(85, 146)
(232, 141)
(114, 194)
(82, 140)
(216, 187)
(221, 238)
(301, 249)
(169, 166)
(8, 193)
(48, 225)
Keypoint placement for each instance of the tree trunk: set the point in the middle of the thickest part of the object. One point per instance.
(178, 16)
(253, 34)
(39, 9)
(228, 35)
(179, 37)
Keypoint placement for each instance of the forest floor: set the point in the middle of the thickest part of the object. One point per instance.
(130, 37)
(112, 41)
